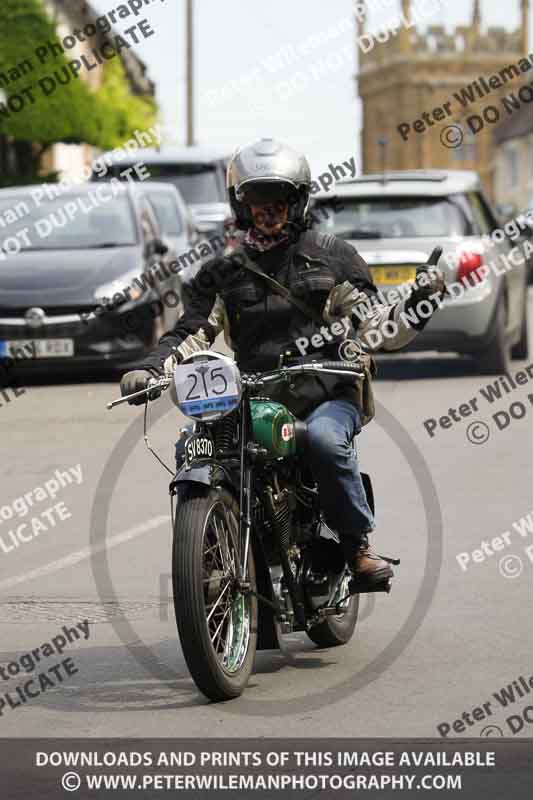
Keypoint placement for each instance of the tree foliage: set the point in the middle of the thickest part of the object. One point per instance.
(72, 113)
(124, 112)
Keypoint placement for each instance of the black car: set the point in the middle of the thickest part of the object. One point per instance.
(83, 271)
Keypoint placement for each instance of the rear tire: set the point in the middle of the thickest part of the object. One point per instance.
(219, 651)
(336, 631)
(521, 349)
(495, 358)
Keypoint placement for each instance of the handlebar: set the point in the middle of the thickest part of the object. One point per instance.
(432, 261)
(323, 367)
(155, 384)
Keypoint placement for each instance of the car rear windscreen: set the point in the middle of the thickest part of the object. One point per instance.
(393, 217)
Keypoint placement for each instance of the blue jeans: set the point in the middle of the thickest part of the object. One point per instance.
(333, 460)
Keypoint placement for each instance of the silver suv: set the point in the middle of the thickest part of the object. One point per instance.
(395, 220)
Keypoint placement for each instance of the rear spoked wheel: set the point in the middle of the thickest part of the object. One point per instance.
(337, 630)
(217, 622)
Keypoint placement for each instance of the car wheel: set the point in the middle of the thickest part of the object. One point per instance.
(495, 358)
(521, 349)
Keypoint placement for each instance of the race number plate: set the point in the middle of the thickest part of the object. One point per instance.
(198, 447)
(208, 387)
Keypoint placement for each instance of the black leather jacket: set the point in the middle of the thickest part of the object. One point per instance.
(260, 325)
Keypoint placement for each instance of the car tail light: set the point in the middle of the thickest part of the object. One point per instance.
(470, 264)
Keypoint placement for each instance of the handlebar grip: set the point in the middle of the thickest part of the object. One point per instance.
(433, 259)
(342, 365)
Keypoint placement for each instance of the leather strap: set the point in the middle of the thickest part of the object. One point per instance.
(247, 262)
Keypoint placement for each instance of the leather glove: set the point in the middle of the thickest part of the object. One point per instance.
(341, 301)
(429, 282)
(135, 381)
(170, 365)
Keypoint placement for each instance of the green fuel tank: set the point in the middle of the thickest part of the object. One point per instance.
(273, 428)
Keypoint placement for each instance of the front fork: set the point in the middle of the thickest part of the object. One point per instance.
(245, 499)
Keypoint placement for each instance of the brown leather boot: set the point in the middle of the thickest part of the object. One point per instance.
(367, 566)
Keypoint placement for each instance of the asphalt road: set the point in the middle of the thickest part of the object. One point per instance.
(445, 642)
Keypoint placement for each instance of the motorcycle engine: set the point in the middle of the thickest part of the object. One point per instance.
(323, 562)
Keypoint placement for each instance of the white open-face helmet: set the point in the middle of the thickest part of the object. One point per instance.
(268, 171)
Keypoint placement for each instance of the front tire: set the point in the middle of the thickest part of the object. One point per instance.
(217, 625)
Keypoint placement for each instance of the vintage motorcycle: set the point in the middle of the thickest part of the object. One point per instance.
(252, 556)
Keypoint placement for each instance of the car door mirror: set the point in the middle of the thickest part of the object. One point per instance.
(506, 211)
(193, 232)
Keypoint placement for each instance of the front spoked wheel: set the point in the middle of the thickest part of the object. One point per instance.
(217, 623)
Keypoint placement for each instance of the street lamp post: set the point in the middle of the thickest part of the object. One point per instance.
(189, 69)
(382, 142)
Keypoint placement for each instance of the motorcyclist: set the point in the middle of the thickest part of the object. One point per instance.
(269, 190)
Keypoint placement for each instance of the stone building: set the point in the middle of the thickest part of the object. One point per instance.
(434, 84)
(71, 14)
(513, 178)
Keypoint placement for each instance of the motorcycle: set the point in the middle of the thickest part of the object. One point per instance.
(252, 556)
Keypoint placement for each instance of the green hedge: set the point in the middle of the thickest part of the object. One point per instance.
(72, 113)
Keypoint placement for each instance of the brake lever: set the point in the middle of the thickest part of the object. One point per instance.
(162, 383)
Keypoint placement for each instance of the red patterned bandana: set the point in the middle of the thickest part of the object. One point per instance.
(256, 240)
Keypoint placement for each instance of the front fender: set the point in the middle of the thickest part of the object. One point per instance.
(212, 474)
(201, 474)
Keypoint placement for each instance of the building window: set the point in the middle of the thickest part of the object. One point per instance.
(467, 150)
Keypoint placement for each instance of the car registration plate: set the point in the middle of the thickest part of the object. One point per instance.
(27, 349)
(392, 275)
